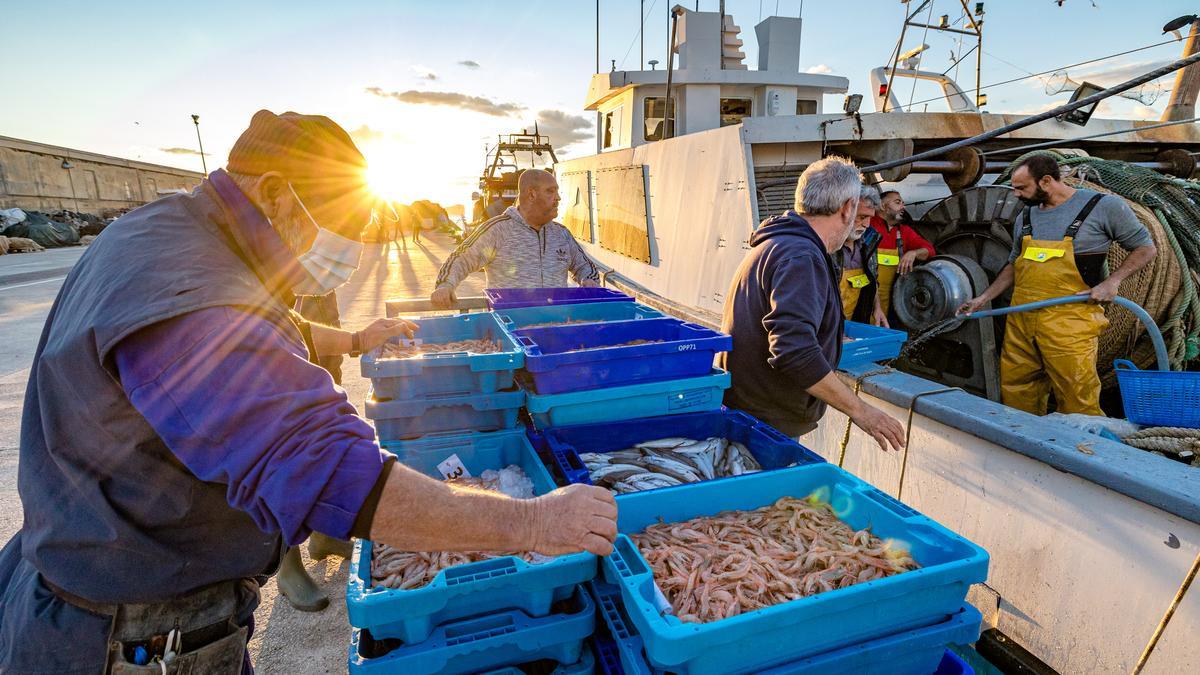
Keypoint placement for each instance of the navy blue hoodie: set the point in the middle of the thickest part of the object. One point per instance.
(785, 315)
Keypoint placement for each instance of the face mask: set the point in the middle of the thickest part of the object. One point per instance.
(329, 262)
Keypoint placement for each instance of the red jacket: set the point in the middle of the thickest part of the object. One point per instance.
(909, 239)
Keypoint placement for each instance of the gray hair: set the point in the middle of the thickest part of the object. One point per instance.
(826, 185)
(870, 195)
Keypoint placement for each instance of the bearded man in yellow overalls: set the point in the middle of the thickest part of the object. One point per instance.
(1060, 247)
(858, 283)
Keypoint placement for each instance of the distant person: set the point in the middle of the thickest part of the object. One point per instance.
(1060, 247)
(417, 220)
(524, 247)
(395, 226)
(785, 314)
(900, 247)
(858, 267)
(478, 210)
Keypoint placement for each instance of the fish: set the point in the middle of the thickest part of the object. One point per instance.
(665, 443)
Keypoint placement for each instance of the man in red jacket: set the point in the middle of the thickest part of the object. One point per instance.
(900, 247)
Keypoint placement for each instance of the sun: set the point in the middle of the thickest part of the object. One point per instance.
(388, 176)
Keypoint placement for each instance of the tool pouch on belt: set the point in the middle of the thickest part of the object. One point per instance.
(206, 620)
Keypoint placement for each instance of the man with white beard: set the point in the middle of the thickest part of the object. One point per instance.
(785, 314)
(859, 276)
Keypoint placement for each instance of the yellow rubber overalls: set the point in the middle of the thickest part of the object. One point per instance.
(889, 264)
(1052, 349)
(853, 281)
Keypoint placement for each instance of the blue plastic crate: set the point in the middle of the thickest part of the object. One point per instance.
(870, 344)
(920, 651)
(590, 356)
(587, 312)
(1159, 398)
(412, 418)
(804, 627)
(770, 447)
(480, 643)
(465, 590)
(608, 659)
(586, 665)
(647, 399)
(512, 298)
(447, 372)
(953, 664)
(616, 624)
(914, 652)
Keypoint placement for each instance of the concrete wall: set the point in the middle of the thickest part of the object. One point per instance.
(32, 177)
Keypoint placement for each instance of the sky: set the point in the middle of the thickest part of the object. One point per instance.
(424, 86)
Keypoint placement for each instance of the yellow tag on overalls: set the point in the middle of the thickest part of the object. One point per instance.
(859, 281)
(888, 259)
(1037, 254)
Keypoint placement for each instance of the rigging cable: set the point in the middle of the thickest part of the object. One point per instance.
(1055, 70)
(1034, 119)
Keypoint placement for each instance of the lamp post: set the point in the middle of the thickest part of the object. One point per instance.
(204, 164)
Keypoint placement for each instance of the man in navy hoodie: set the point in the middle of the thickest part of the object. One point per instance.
(785, 314)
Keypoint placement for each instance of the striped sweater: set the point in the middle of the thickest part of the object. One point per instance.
(515, 255)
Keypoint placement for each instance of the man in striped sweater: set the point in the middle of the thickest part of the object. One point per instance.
(521, 248)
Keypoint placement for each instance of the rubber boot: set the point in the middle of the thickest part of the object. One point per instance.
(321, 546)
(295, 584)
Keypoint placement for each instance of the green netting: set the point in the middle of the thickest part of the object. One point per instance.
(1176, 204)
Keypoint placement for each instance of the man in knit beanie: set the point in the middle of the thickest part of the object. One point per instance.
(176, 437)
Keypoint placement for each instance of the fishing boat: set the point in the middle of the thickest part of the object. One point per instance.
(512, 154)
(1091, 540)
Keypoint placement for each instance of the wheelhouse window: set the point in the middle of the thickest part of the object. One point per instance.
(733, 110)
(806, 107)
(654, 115)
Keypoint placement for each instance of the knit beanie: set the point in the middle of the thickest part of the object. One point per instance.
(317, 157)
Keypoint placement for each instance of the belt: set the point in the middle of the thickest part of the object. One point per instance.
(194, 613)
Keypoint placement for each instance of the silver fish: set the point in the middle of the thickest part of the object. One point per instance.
(748, 458)
(672, 468)
(594, 460)
(608, 469)
(664, 443)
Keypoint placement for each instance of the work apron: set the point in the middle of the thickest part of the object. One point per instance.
(850, 288)
(1052, 349)
(889, 265)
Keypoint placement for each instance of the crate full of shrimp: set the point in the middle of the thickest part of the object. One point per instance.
(567, 315)
(486, 643)
(405, 595)
(593, 355)
(657, 452)
(769, 568)
(464, 354)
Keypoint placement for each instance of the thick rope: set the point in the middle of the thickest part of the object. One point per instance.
(912, 406)
(1162, 625)
(858, 382)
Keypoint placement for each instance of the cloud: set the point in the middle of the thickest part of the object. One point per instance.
(183, 151)
(819, 69)
(473, 65)
(1110, 75)
(425, 73)
(450, 99)
(366, 134)
(564, 128)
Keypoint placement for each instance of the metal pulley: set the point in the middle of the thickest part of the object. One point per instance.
(934, 291)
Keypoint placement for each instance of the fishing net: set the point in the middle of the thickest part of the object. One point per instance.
(1167, 287)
